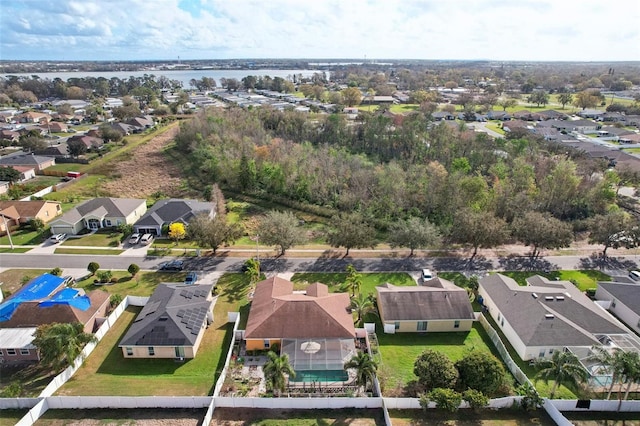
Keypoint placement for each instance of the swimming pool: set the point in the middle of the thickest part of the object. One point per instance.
(325, 376)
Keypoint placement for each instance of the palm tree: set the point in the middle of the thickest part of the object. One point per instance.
(630, 372)
(274, 372)
(610, 362)
(354, 280)
(563, 367)
(362, 305)
(60, 344)
(365, 368)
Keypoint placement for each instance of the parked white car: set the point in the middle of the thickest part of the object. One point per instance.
(146, 239)
(56, 238)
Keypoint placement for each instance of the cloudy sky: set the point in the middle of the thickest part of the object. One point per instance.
(582, 30)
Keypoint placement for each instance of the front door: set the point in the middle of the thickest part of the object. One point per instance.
(93, 224)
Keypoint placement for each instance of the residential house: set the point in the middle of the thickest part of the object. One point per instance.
(165, 212)
(551, 114)
(545, 316)
(513, 125)
(34, 117)
(38, 162)
(622, 300)
(56, 127)
(171, 324)
(92, 143)
(612, 117)
(141, 123)
(277, 313)
(47, 300)
(437, 306)
(10, 136)
(633, 138)
(443, 115)
(26, 172)
(123, 128)
(22, 212)
(99, 213)
(567, 126)
(59, 150)
(590, 113)
(632, 120)
(16, 346)
(527, 115)
(498, 115)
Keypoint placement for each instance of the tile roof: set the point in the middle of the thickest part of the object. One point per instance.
(553, 314)
(174, 315)
(438, 299)
(277, 313)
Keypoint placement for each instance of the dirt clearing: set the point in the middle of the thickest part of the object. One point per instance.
(147, 171)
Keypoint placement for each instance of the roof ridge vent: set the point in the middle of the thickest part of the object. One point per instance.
(549, 316)
(535, 295)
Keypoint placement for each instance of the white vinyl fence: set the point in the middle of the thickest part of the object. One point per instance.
(298, 403)
(18, 403)
(597, 405)
(130, 402)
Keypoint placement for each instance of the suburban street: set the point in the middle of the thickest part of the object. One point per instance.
(479, 265)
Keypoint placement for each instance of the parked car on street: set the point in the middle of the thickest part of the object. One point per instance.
(56, 238)
(192, 277)
(174, 265)
(426, 274)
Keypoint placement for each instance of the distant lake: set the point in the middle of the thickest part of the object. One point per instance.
(182, 75)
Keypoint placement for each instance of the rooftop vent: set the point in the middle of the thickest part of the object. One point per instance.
(559, 298)
(548, 298)
(549, 316)
(535, 296)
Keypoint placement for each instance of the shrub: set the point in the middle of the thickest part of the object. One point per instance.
(93, 267)
(475, 399)
(56, 271)
(133, 269)
(105, 276)
(445, 399)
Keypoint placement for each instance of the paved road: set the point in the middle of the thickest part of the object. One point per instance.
(618, 264)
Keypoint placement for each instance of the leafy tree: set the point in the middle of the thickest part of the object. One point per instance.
(214, 232)
(445, 399)
(531, 400)
(126, 112)
(60, 344)
(282, 230)
(37, 225)
(126, 229)
(365, 368)
(586, 99)
(56, 271)
(413, 233)
(105, 276)
(539, 97)
(354, 280)
(109, 134)
(475, 399)
(478, 229)
(93, 267)
(9, 174)
(133, 269)
(76, 147)
(481, 371)
(435, 370)
(362, 305)
(613, 229)
(507, 103)
(177, 232)
(352, 96)
(562, 368)
(274, 372)
(252, 270)
(350, 231)
(12, 390)
(565, 98)
(33, 143)
(541, 231)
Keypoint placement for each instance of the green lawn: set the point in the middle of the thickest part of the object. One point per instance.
(11, 417)
(24, 237)
(143, 284)
(106, 372)
(400, 350)
(106, 252)
(336, 280)
(495, 126)
(14, 250)
(87, 187)
(583, 279)
(97, 239)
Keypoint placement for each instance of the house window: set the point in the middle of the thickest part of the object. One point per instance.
(267, 344)
(550, 351)
(129, 351)
(11, 352)
(422, 326)
(542, 353)
(499, 317)
(396, 325)
(502, 322)
(107, 222)
(152, 351)
(456, 324)
(24, 351)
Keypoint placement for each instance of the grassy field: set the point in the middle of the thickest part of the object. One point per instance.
(495, 126)
(88, 251)
(583, 279)
(13, 279)
(335, 281)
(106, 372)
(11, 417)
(24, 237)
(143, 284)
(399, 352)
(96, 239)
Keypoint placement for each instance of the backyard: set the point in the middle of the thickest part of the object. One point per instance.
(106, 372)
(504, 417)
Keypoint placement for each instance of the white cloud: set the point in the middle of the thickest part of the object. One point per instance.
(429, 29)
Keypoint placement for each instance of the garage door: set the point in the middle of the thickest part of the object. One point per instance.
(62, 229)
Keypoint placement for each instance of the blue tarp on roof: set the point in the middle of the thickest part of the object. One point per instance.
(69, 296)
(37, 289)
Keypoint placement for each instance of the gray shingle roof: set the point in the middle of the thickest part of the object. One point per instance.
(23, 160)
(627, 294)
(173, 316)
(553, 314)
(173, 210)
(102, 207)
(437, 300)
